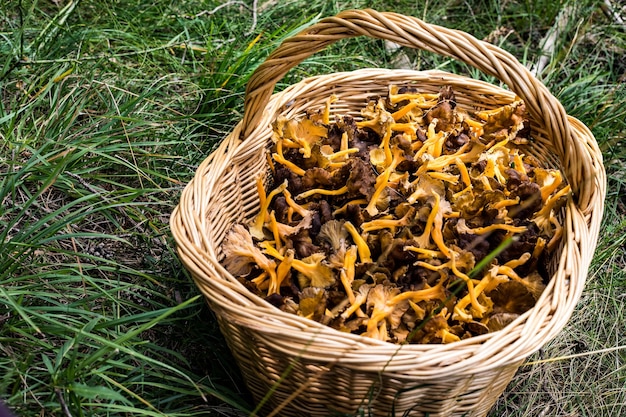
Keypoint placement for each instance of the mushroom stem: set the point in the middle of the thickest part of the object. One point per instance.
(443, 161)
(344, 142)
(256, 230)
(389, 223)
(355, 306)
(260, 189)
(475, 127)
(293, 205)
(280, 158)
(463, 170)
(326, 114)
(446, 336)
(282, 271)
(514, 263)
(382, 181)
(497, 226)
(341, 153)
(275, 231)
(384, 143)
(436, 233)
(318, 274)
(509, 272)
(432, 293)
(347, 273)
(444, 176)
(344, 208)
(489, 281)
(426, 253)
(423, 100)
(364, 250)
(424, 240)
(322, 191)
(468, 281)
(518, 163)
(506, 203)
(408, 128)
(399, 114)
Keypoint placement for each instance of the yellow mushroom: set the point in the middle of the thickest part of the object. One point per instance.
(407, 128)
(425, 185)
(359, 299)
(306, 133)
(382, 182)
(463, 228)
(514, 263)
(446, 336)
(380, 301)
(283, 270)
(392, 224)
(376, 117)
(314, 272)
(548, 180)
(256, 230)
(423, 100)
(327, 152)
(406, 111)
(364, 250)
(475, 127)
(439, 327)
(275, 231)
(462, 154)
(297, 208)
(423, 241)
(386, 146)
(451, 264)
(342, 210)
(433, 146)
(344, 141)
(463, 172)
(518, 164)
(535, 287)
(444, 176)
(505, 203)
(322, 191)
(440, 208)
(326, 114)
(425, 253)
(240, 254)
(420, 313)
(347, 273)
(262, 281)
(432, 293)
(280, 158)
(544, 218)
(489, 281)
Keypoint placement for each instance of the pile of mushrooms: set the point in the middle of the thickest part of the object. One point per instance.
(418, 222)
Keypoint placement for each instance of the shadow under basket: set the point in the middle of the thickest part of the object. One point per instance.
(298, 367)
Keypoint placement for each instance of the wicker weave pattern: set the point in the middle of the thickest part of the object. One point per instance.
(322, 368)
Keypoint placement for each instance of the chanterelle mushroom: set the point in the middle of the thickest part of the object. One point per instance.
(392, 224)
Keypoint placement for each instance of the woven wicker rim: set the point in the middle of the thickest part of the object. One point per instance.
(570, 141)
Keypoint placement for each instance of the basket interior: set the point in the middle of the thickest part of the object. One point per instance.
(353, 94)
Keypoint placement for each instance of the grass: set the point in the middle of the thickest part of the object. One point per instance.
(105, 110)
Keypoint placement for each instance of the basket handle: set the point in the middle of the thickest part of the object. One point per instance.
(414, 33)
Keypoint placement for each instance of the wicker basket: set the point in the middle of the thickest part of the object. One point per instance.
(306, 368)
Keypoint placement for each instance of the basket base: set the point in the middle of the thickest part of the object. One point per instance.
(300, 387)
